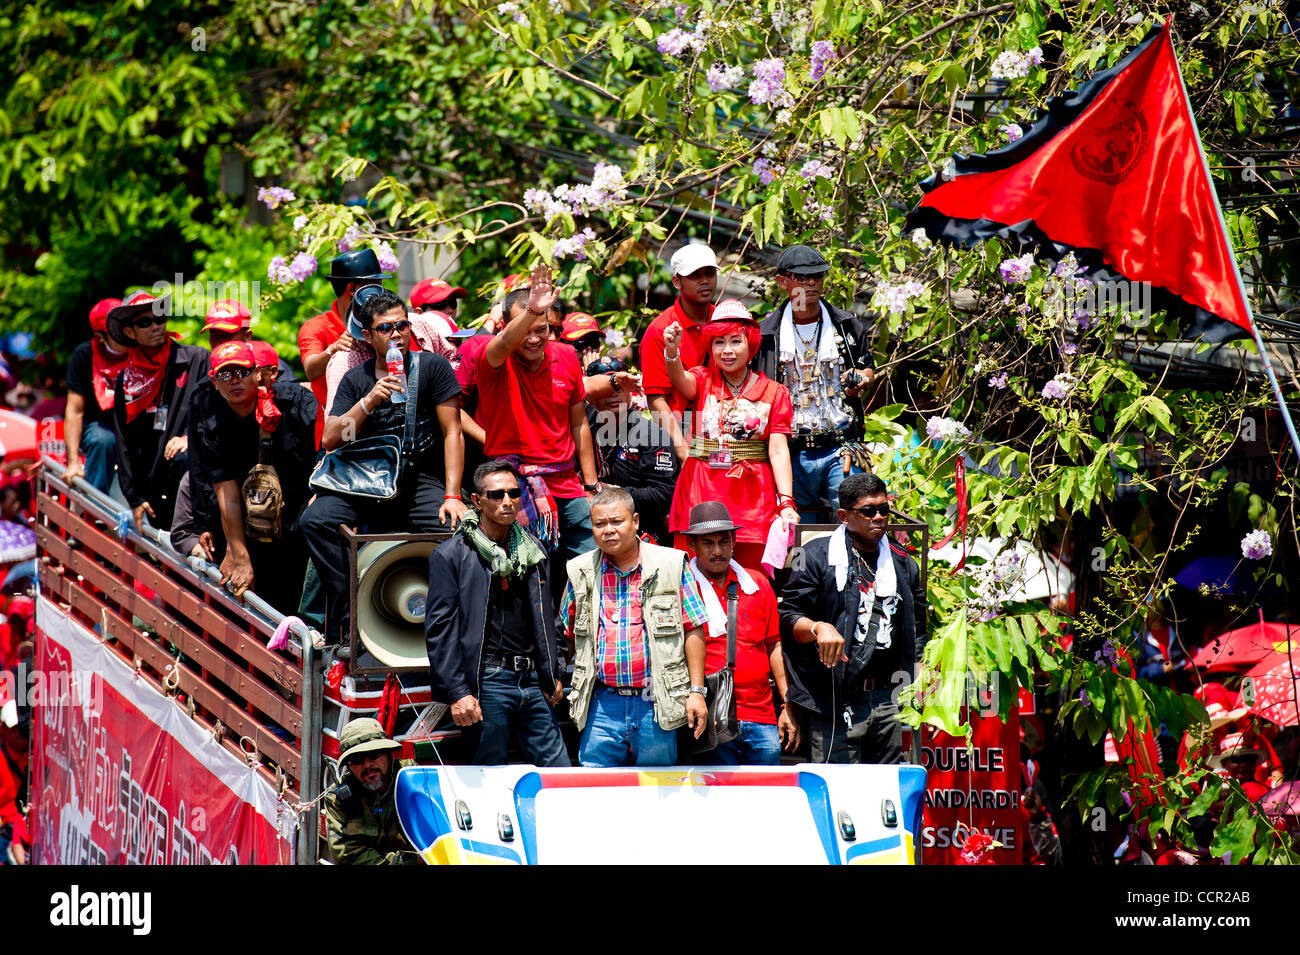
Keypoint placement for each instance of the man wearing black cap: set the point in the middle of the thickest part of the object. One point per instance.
(151, 406)
(322, 337)
(822, 354)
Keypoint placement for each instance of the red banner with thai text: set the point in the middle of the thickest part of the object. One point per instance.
(120, 774)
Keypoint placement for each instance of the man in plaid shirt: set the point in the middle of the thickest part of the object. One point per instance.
(633, 614)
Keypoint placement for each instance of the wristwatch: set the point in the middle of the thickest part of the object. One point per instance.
(702, 690)
(592, 488)
(613, 383)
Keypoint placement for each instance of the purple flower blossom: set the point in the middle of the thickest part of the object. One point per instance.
(823, 51)
(1012, 131)
(920, 239)
(897, 298)
(277, 271)
(946, 429)
(1069, 349)
(1085, 699)
(1060, 387)
(350, 239)
(302, 267)
(511, 9)
(274, 196)
(680, 11)
(1068, 268)
(1012, 64)
(722, 77)
(767, 171)
(674, 42)
(1085, 320)
(768, 86)
(1017, 270)
(299, 222)
(998, 382)
(387, 258)
(574, 246)
(814, 168)
(1256, 545)
(606, 190)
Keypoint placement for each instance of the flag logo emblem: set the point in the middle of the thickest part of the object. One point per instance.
(1114, 151)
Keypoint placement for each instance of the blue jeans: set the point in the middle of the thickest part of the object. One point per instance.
(818, 476)
(575, 527)
(621, 731)
(100, 448)
(513, 704)
(759, 744)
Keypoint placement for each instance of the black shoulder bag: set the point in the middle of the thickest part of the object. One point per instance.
(371, 467)
(723, 725)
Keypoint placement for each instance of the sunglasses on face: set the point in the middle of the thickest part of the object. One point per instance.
(148, 321)
(500, 493)
(605, 367)
(232, 374)
(871, 510)
(387, 328)
(804, 279)
(363, 758)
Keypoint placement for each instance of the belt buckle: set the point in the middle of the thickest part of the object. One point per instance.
(869, 684)
(520, 664)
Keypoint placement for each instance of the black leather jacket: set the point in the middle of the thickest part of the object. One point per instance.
(455, 619)
(812, 593)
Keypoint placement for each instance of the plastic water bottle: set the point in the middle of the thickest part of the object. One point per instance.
(397, 367)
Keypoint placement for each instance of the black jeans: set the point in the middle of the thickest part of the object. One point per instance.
(875, 736)
(413, 511)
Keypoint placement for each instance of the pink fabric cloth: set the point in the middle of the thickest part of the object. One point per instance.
(779, 538)
(426, 335)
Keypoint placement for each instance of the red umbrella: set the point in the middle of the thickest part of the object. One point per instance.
(1275, 685)
(1241, 648)
(17, 437)
(1282, 801)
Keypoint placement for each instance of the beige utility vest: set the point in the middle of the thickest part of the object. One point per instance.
(661, 612)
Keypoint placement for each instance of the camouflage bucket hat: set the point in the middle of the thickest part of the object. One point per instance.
(363, 736)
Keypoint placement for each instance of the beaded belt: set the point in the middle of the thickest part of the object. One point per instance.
(740, 450)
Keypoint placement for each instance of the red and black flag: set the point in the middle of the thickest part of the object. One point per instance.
(1114, 173)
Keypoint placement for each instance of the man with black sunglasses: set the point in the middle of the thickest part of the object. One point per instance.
(361, 823)
(428, 495)
(490, 631)
(151, 406)
(853, 623)
(227, 430)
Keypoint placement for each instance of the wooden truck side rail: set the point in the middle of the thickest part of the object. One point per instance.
(166, 615)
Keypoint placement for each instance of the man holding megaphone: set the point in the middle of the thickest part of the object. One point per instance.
(493, 655)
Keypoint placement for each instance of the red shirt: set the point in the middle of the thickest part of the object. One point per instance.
(654, 374)
(528, 414)
(316, 335)
(757, 635)
(467, 371)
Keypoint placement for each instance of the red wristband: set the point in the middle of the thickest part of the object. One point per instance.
(451, 497)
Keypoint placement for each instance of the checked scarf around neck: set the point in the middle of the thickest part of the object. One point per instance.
(519, 556)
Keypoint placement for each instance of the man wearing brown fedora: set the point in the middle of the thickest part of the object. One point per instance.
(757, 652)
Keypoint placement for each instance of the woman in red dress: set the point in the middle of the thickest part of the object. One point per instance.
(740, 420)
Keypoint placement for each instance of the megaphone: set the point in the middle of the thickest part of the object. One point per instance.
(392, 586)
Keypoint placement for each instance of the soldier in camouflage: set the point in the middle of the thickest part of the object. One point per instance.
(360, 813)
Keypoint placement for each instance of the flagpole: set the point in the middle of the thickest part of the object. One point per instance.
(1232, 255)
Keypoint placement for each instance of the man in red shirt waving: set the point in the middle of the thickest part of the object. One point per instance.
(758, 642)
(536, 419)
(695, 276)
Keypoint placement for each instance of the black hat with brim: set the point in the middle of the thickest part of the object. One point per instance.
(356, 266)
(802, 260)
(132, 307)
(710, 517)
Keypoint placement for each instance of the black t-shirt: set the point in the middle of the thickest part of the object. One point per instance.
(509, 620)
(227, 444)
(437, 384)
(81, 381)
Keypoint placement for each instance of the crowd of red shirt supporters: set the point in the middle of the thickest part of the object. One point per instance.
(725, 409)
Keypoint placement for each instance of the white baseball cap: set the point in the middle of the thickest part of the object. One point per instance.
(691, 258)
